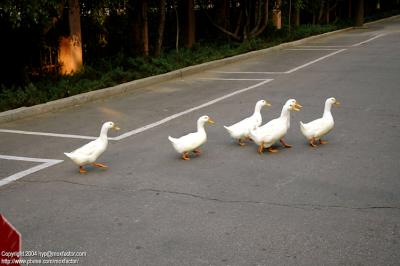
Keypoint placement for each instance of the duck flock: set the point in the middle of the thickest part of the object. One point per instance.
(248, 129)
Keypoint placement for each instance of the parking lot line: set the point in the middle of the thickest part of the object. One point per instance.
(44, 164)
(69, 136)
(313, 49)
(246, 72)
(314, 61)
(323, 46)
(234, 79)
(371, 39)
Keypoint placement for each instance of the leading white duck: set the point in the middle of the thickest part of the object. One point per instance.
(89, 153)
(266, 135)
(240, 131)
(192, 141)
(318, 128)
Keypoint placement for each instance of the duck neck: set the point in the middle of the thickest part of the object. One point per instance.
(285, 115)
(200, 126)
(257, 109)
(103, 133)
(327, 110)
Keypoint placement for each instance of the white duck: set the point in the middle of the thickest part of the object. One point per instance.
(89, 153)
(241, 130)
(266, 135)
(314, 130)
(192, 141)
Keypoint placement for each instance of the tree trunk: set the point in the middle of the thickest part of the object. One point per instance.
(135, 36)
(277, 14)
(70, 55)
(321, 11)
(177, 28)
(161, 27)
(190, 25)
(327, 13)
(349, 9)
(290, 16)
(222, 13)
(145, 28)
(297, 16)
(359, 22)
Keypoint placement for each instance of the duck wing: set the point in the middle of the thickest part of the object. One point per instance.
(87, 149)
(315, 127)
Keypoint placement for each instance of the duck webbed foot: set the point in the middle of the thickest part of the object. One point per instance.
(322, 142)
(197, 151)
(285, 144)
(273, 150)
(100, 165)
(312, 144)
(260, 148)
(185, 156)
(82, 170)
(241, 142)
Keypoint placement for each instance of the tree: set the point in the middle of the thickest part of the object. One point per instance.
(24, 24)
(190, 24)
(70, 55)
(297, 7)
(249, 24)
(359, 18)
(175, 6)
(161, 27)
(137, 10)
(145, 27)
(277, 14)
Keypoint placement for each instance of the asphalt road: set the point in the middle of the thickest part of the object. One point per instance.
(338, 204)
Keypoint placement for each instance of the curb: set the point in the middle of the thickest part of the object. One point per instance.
(24, 112)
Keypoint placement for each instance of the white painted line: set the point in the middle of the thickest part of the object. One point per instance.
(312, 49)
(371, 39)
(46, 134)
(230, 79)
(314, 61)
(323, 46)
(245, 72)
(289, 71)
(45, 163)
(169, 118)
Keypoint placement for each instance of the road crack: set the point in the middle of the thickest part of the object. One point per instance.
(303, 206)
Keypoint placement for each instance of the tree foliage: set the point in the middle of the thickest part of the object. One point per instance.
(32, 28)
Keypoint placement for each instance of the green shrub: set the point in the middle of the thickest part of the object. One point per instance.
(118, 69)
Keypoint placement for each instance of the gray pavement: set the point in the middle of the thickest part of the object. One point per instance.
(338, 204)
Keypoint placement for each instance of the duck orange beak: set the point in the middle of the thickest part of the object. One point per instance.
(267, 103)
(297, 106)
(116, 127)
(210, 121)
(337, 103)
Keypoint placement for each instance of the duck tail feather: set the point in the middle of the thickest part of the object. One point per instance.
(173, 140)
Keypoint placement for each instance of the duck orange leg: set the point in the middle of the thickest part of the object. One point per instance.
(312, 140)
(82, 170)
(260, 148)
(100, 165)
(241, 142)
(197, 151)
(322, 141)
(185, 156)
(273, 150)
(285, 144)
